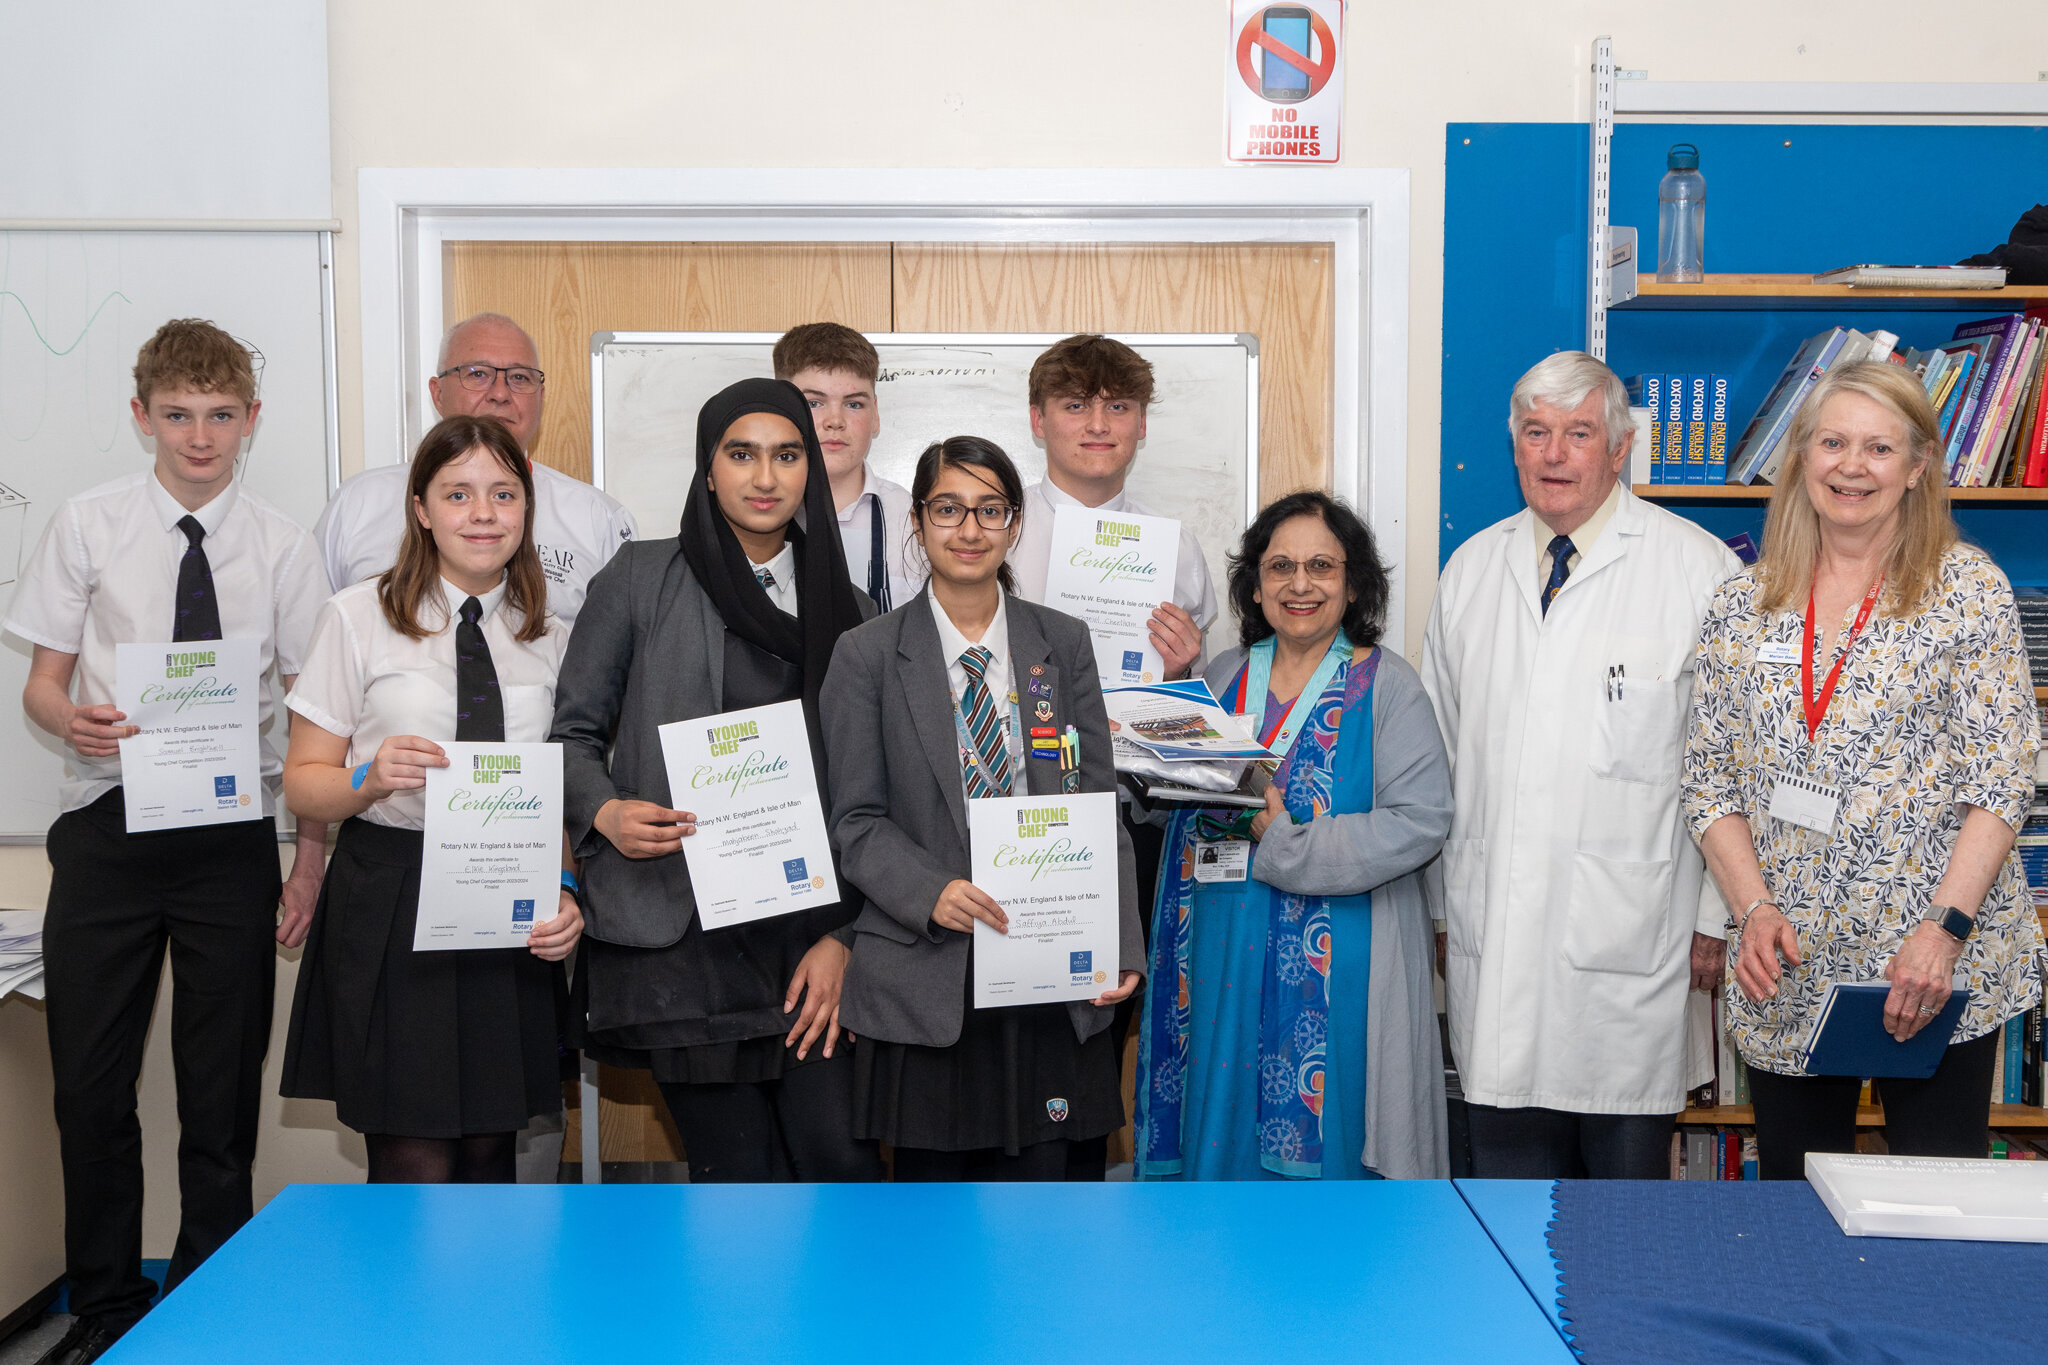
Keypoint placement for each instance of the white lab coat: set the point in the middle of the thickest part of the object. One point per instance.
(1570, 886)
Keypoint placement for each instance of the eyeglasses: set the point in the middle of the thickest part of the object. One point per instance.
(993, 516)
(477, 378)
(1321, 569)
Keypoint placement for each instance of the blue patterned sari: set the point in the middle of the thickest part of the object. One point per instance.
(1327, 770)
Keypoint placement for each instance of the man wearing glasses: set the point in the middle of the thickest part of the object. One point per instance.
(1571, 901)
(488, 367)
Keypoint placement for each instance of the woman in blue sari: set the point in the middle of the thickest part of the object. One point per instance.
(1301, 1041)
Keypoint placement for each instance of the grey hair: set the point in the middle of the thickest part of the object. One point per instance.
(1563, 380)
(448, 337)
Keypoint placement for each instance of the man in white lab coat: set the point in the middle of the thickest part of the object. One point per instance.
(1570, 900)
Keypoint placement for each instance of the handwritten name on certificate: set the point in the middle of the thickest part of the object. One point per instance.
(1050, 862)
(1113, 569)
(760, 848)
(491, 865)
(199, 758)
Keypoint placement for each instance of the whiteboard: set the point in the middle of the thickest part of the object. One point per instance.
(179, 109)
(74, 308)
(1199, 461)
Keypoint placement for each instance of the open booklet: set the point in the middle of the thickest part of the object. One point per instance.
(1177, 738)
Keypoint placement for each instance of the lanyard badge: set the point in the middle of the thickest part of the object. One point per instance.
(1804, 800)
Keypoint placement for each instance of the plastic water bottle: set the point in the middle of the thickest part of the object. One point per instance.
(1681, 218)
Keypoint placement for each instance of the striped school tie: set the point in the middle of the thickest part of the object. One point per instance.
(988, 769)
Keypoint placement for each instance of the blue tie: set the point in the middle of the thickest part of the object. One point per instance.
(1561, 552)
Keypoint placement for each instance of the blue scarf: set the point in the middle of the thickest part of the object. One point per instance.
(1327, 770)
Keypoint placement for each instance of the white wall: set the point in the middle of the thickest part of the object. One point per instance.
(1057, 83)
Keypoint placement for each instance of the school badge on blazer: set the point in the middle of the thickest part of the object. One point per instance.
(1056, 1110)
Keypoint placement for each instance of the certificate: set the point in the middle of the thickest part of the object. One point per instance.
(491, 867)
(199, 758)
(1050, 862)
(760, 848)
(1113, 569)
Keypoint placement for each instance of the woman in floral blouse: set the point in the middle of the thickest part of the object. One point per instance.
(1861, 756)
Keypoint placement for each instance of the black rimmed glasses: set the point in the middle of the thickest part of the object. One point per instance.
(993, 516)
(1320, 569)
(477, 378)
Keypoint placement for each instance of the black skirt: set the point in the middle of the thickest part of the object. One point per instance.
(433, 1044)
(1016, 1077)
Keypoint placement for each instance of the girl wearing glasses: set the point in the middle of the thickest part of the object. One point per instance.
(738, 1024)
(926, 709)
(1299, 1038)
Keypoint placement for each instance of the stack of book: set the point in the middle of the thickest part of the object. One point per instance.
(2033, 604)
(2033, 850)
(1986, 383)
(1688, 426)
(2016, 1075)
(1713, 1154)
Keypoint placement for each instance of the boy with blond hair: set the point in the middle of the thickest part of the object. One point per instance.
(175, 553)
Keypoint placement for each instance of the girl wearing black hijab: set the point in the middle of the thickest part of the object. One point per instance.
(739, 1025)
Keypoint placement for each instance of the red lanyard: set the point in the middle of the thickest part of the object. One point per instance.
(1817, 707)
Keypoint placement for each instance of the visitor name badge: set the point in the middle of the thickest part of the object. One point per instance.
(1778, 652)
(1223, 860)
(1804, 802)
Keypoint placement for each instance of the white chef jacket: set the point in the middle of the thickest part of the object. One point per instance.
(576, 529)
(1570, 887)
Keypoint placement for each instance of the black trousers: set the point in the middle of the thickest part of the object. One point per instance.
(116, 901)
(1947, 1114)
(1554, 1144)
(797, 1128)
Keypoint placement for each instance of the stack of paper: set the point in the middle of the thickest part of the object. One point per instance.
(1932, 1196)
(21, 953)
(1178, 737)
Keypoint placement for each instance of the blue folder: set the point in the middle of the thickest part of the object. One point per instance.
(1849, 1039)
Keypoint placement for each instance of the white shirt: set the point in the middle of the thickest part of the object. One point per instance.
(782, 569)
(106, 571)
(903, 560)
(1570, 887)
(1588, 532)
(366, 682)
(1192, 591)
(576, 529)
(996, 640)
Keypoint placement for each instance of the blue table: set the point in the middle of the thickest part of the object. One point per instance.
(905, 1273)
(1516, 1215)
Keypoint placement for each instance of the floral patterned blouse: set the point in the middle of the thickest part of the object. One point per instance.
(1933, 710)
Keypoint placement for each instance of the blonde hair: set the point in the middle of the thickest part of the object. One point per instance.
(1926, 530)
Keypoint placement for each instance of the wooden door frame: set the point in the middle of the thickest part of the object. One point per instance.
(406, 215)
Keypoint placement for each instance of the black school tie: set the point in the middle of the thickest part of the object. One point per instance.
(479, 709)
(198, 611)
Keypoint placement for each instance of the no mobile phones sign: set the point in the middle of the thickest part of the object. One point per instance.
(1285, 81)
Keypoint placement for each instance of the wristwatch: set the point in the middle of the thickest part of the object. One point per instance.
(1950, 921)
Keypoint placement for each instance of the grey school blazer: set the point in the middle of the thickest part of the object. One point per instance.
(648, 648)
(899, 812)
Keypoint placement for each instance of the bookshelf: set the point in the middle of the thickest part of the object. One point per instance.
(1756, 494)
(2013, 1116)
(1799, 292)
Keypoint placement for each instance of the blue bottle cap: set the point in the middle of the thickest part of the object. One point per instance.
(1683, 156)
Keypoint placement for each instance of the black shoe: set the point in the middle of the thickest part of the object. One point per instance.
(86, 1342)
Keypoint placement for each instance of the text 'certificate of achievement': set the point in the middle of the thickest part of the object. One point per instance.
(760, 848)
(1113, 569)
(1050, 862)
(199, 758)
(491, 867)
